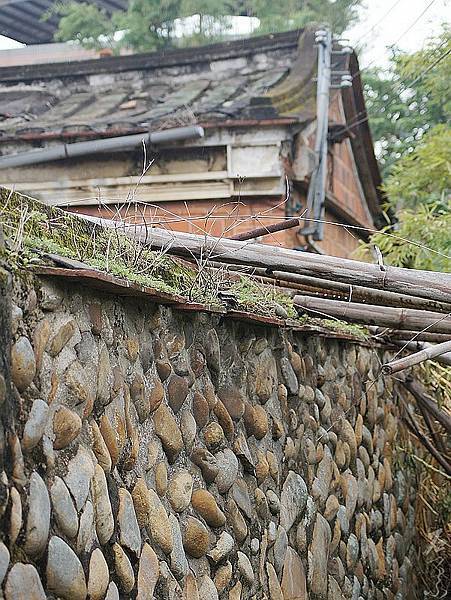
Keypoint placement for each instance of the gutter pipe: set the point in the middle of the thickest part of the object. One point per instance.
(112, 144)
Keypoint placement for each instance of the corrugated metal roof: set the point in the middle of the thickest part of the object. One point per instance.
(21, 20)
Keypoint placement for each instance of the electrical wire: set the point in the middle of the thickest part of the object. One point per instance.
(407, 86)
(411, 26)
(384, 16)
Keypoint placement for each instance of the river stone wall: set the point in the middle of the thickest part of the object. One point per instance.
(150, 453)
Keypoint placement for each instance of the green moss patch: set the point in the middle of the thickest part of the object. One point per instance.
(34, 230)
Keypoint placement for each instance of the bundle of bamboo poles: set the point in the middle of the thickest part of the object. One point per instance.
(416, 303)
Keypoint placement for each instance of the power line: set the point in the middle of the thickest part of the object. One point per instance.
(415, 22)
(384, 16)
(406, 87)
(421, 75)
(411, 26)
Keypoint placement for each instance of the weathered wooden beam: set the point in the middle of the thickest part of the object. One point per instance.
(370, 314)
(406, 362)
(424, 284)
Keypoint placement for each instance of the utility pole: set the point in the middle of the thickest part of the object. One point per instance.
(314, 220)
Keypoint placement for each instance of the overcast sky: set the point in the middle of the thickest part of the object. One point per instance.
(377, 29)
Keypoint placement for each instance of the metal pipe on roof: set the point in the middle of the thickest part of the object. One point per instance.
(100, 145)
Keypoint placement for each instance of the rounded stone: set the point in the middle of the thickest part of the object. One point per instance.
(163, 369)
(112, 592)
(332, 506)
(66, 427)
(257, 421)
(212, 350)
(158, 523)
(100, 448)
(4, 561)
(223, 547)
(161, 478)
(273, 502)
(213, 436)
(228, 470)
(98, 575)
(223, 576)
(168, 431)
(38, 520)
(24, 577)
(196, 538)
(16, 516)
(292, 500)
(206, 462)
(232, 399)
(140, 495)
(63, 508)
(177, 392)
(245, 568)
(224, 419)
(188, 429)
(110, 437)
(236, 521)
(61, 337)
(201, 410)
(23, 363)
(261, 468)
(179, 564)
(148, 573)
(156, 394)
(103, 513)
(35, 425)
(86, 530)
(205, 504)
(123, 568)
(180, 490)
(130, 535)
(65, 575)
(207, 589)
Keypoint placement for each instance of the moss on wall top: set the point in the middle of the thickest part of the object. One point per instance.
(36, 233)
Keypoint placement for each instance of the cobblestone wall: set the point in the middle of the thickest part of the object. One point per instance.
(151, 453)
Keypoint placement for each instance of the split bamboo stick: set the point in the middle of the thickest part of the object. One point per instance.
(370, 314)
(414, 359)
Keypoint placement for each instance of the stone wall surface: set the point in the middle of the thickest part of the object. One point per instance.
(153, 453)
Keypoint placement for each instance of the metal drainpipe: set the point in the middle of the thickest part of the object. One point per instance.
(101, 145)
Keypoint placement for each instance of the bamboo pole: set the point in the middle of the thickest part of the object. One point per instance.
(445, 359)
(327, 287)
(261, 231)
(418, 357)
(369, 314)
(425, 284)
(396, 335)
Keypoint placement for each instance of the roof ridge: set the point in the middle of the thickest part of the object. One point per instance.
(152, 60)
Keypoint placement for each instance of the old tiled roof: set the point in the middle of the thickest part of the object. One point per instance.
(269, 77)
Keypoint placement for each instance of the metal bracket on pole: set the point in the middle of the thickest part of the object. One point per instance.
(317, 188)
